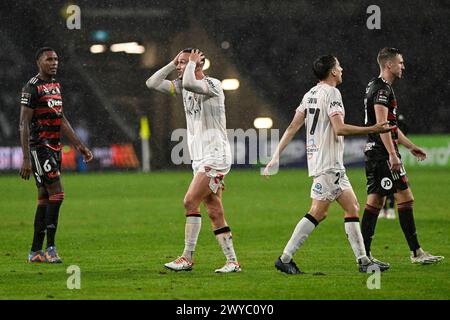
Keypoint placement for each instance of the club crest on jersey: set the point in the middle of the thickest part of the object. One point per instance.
(53, 90)
(386, 183)
(318, 188)
(192, 105)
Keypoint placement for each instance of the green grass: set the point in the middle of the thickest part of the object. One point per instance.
(120, 228)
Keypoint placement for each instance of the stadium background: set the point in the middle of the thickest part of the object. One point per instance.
(121, 227)
(267, 45)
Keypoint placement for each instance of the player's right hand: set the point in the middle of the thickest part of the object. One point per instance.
(383, 127)
(175, 60)
(272, 163)
(87, 154)
(395, 162)
(25, 170)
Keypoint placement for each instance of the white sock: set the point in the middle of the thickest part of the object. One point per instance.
(225, 240)
(300, 234)
(354, 236)
(191, 232)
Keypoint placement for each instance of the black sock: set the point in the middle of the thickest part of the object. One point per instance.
(39, 228)
(368, 224)
(406, 218)
(51, 218)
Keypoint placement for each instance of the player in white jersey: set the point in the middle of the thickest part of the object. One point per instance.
(204, 105)
(322, 110)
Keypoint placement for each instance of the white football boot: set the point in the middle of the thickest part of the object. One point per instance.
(390, 214)
(230, 266)
(382, 214)
(180, 264)
(423, 257)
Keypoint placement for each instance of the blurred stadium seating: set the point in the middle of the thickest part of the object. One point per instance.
(268, 45)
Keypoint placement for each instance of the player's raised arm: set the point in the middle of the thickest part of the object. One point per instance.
(343, 129)
(24, 127)
(296, 124)
(158, 80)
(68, 131)
(190, 81)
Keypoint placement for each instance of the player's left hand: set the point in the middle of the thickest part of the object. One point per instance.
(419, 153)
(196, 56)
(25, 170)
(87, 154)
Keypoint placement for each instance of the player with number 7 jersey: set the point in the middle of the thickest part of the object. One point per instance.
(322, 112)
(324, 148)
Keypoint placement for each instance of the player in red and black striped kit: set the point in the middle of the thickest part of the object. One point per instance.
(384, 169)
(41, 123)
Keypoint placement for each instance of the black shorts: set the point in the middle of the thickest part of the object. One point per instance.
(381, 180)
(46, 165)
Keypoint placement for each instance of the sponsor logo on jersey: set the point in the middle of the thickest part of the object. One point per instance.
(54, 103)
(37, 177)
(386, 183)
(369, 146)
(51, 90)
(48, 89)
(336, 104)
(382, 96)
(25, 99)
(210, 83)
(311, 148)
(53, 175)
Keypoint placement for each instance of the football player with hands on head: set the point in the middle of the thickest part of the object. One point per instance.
(209, 149)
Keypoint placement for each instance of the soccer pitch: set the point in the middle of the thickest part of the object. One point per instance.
(120, 228)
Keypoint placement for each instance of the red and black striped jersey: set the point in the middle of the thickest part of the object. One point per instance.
(44, 97)
(380, 92)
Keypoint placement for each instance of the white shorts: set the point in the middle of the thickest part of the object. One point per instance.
(216, 173)
(328, 186)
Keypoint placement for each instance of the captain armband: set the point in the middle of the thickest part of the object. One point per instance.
(172, 89)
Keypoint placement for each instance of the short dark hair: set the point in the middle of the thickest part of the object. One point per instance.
(189, 50)
(387, 53)
(40, 51)
(323, 65)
